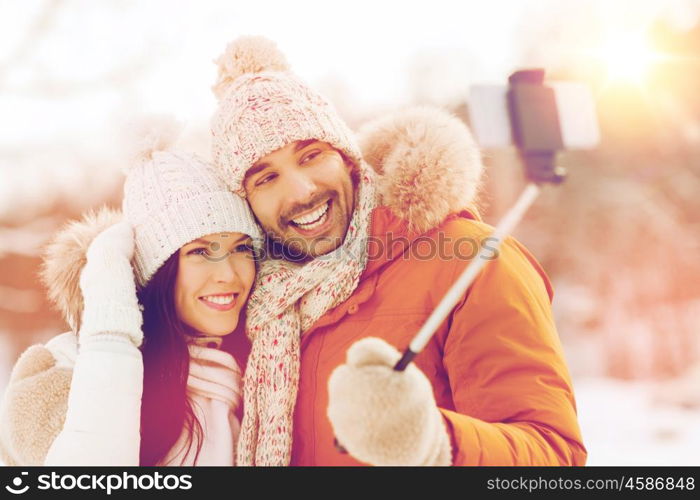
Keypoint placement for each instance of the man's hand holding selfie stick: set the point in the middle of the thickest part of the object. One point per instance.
(382, 416)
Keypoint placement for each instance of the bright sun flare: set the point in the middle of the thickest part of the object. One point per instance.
(628, 57)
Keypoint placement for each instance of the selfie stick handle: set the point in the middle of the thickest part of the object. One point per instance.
(504, 228)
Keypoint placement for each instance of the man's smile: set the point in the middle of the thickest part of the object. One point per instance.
(315, 218)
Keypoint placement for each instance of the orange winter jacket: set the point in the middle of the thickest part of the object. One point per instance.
(496, 364)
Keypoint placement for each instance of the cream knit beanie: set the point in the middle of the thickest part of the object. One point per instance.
(172, 198)
(263, 107)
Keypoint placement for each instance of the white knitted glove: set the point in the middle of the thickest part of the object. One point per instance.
(384, 417)
(102, 425)
(108, 288)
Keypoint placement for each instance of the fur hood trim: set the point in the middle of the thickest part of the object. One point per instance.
(65, 257)
(428, 164)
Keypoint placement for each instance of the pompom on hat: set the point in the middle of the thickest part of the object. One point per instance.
(263, 107)
(172, 198)
(146, 135)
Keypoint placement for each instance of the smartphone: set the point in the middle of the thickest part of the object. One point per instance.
(575, 115)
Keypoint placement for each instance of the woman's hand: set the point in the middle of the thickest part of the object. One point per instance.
(108, 288)
(104, 404)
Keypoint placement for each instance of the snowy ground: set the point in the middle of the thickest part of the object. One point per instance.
(625, 423)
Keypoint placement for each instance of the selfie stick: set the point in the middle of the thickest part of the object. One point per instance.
(537, 135)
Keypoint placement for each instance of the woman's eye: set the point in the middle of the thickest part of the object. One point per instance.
(198, 251)
(245, 248)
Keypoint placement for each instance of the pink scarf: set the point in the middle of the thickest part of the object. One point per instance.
(214, 387)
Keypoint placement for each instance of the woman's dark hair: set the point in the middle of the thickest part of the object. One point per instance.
(165, 407)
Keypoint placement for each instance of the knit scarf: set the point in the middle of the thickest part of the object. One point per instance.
(288, 298)
(213, 386)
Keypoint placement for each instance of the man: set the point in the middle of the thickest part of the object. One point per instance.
(363, 261)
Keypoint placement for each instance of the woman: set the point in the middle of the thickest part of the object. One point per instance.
(91, 396)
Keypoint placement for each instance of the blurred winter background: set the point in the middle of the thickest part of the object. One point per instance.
(620, 239)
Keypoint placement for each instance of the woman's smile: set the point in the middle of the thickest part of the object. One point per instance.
(220, 302)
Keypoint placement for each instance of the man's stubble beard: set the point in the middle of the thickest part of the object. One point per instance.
(298, 250)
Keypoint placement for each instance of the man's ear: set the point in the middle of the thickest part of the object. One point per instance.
(355, 175)
(352, 168)
(244, 185)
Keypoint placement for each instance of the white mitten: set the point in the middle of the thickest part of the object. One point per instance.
(102, 422)
(385, 417)
(108, 288)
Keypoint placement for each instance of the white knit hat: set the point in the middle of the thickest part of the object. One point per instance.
(263, 107)
(172, 198)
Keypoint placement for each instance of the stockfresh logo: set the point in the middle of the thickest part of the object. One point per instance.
(107, 483)
(16, 488)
